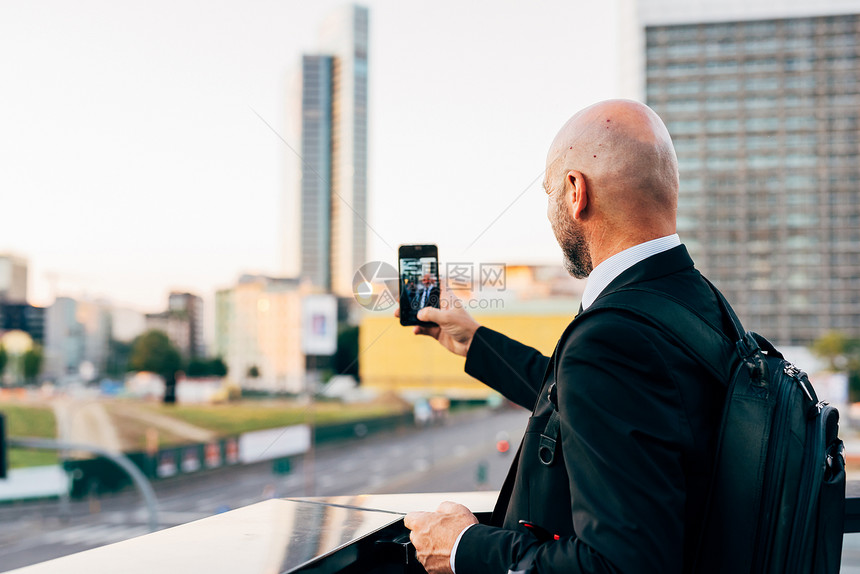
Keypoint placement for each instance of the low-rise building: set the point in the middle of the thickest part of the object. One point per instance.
(23, 317)
(182, 322)
(13, 278)
(77, 338)
(258, 333)
(394, 360)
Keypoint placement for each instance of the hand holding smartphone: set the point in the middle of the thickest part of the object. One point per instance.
(419, 282)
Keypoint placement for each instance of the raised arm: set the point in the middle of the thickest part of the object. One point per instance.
(506, 365)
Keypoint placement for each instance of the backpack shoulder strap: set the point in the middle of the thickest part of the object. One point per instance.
(735, 495)
(685, 327)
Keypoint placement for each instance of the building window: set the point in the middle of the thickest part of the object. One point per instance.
(722, 85)
(762, 124)
(762, 84)
(723, 125)
(721, 104)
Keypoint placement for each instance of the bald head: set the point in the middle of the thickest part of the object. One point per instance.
(623, 151)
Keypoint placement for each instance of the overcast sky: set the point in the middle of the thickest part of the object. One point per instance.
(132, 161)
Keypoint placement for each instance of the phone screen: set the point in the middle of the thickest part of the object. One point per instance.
(419, 282)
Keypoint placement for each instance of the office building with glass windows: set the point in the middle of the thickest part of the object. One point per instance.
(316, 172)
(765, 116)
(333, 167)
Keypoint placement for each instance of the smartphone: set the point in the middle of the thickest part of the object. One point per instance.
(419, 282)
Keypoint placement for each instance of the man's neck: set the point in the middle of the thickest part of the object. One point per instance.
(609, 244)
(611, 267)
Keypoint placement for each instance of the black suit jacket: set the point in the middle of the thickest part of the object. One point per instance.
(639, 417)
(432, 299)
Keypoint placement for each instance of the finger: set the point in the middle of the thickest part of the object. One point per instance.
(449, 507)
(397, 312)
(431, 314)
(414, 519)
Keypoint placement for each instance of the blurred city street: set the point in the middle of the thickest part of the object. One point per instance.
(222, 222)
(460, 455)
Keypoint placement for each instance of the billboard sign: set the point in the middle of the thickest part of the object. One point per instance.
(274, 443)
(319, 325)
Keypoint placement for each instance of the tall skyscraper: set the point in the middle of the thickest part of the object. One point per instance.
(333, 119)
(764, 111)
(316, 188)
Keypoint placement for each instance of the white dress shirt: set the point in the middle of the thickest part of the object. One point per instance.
(602, 275)
(599, 279)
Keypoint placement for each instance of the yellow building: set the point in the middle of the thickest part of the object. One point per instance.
(393, 359)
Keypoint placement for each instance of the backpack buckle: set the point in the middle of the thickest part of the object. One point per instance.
(549, 439)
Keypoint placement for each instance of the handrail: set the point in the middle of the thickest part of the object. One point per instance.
(117, 457)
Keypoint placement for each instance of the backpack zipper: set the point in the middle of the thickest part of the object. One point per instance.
(813, 463)
(796, 374)
(775, 460)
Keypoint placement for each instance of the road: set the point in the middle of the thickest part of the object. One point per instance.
(440, 458)
(437, 459)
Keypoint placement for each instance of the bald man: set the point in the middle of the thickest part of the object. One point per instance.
(614, 468)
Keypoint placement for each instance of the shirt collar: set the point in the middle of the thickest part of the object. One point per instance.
(602, 275)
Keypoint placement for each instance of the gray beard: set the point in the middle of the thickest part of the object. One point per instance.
(574, 248)
(577, 260)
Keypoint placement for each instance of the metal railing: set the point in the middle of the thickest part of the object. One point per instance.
(118, 458)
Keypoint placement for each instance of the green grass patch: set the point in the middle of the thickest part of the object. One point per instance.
(24, 458)
(30, 421)
(236, 418)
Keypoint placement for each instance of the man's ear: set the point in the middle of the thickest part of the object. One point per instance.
(575, 184)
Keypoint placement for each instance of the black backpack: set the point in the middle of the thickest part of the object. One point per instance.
(778, 492)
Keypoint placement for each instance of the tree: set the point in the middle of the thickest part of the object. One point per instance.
(218, 367)
(152, 351)
(31, 363)
(834, 347)
(214, 367)
(843, 355)
(197, 368)
(4, 358)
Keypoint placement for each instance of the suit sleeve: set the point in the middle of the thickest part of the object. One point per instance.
(622, 434)
(513, 369)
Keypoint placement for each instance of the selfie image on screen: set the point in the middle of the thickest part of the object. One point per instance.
(419, 284)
